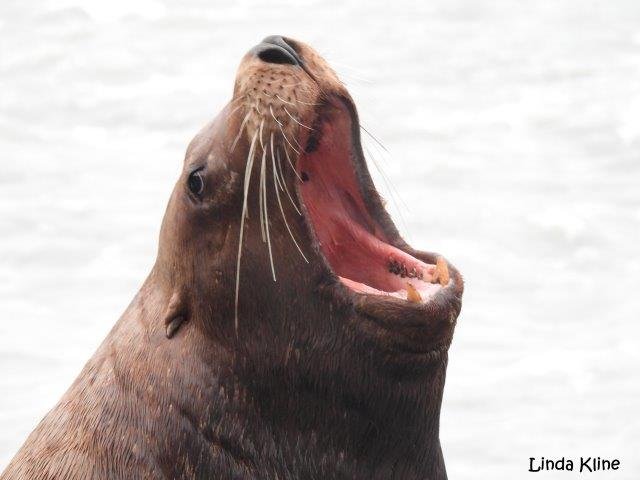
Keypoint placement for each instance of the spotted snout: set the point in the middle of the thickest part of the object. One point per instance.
(280, 84)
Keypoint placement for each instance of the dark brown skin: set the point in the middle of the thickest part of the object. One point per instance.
(313, 382)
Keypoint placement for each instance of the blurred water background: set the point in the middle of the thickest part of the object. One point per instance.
(513, 131)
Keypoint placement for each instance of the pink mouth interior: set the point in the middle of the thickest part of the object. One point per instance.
(350, 239)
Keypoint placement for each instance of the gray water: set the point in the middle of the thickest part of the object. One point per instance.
(513, 131)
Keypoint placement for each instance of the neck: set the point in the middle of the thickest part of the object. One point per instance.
(327, 419)
(389, 431)
(224, 411)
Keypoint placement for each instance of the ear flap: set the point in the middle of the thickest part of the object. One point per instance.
(176, 313)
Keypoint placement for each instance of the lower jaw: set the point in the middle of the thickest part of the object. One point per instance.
(420, 294)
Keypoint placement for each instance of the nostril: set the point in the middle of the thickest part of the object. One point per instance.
(275, 54)
(275, 49)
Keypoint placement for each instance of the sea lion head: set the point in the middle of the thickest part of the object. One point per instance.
(286, 329)
(277, 245)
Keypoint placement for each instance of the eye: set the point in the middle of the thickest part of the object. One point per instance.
(196, 182)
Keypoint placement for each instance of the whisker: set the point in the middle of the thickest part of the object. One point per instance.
(307, 103)
(292, 84)
(263, 188)
(242, 125)
(393, 191)
(276, 173)
(274, 117)
(284, 182)
(291, 164)
(235, 110)
(374, 138)
(287, 140)
(296, 100)
(395, 196)
(283, 100)
(261, 127)
(260, 207)
(295, 140)
(241, 97)
(390, 187)
(359, 72)
(284, 217)
(351, 77)
(295, 120)
(247, 181)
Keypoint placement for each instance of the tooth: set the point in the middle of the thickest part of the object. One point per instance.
(434, 275)
(412, 294)
(442, 271)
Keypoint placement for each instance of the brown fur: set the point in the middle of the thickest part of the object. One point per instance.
(315, 382)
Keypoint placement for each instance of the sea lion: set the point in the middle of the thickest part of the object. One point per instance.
(286, 330)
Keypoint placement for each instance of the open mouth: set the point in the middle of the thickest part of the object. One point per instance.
(293, 95)
(344, 211)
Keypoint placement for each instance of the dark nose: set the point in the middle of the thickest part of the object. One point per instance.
(274, 49)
